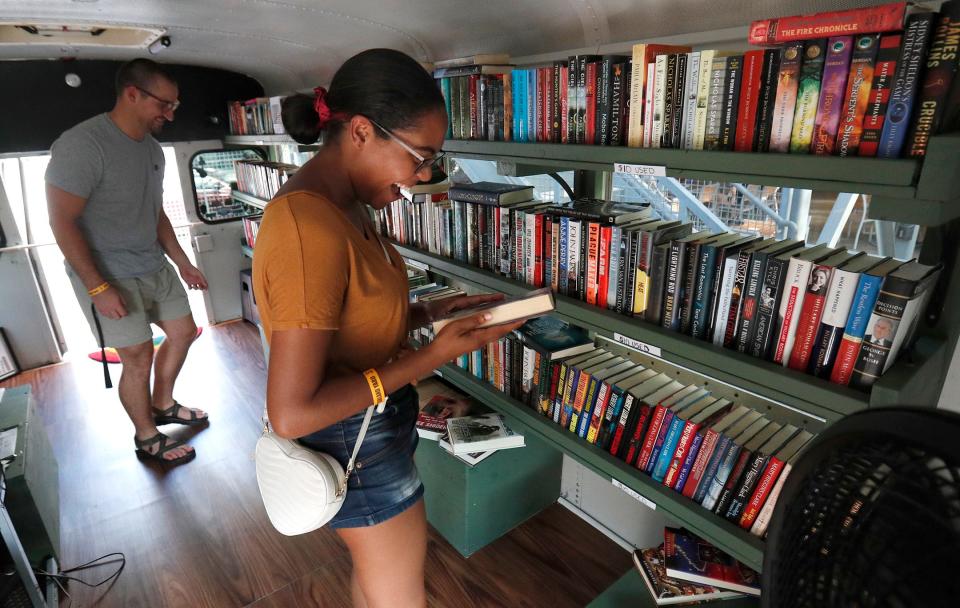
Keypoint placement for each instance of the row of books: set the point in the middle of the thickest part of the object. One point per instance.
(727, 457)
(846, 95)
(258, 116)
(262, 178)
(835, 314)
(686, 569)
(251, 227)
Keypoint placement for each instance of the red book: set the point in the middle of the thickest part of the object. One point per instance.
(710, 439)
(814, 298)
(593, 261)
(603, 273)
(883, 18)
(691, 428)
(883, 74)
(749, 98)
(596, 417)
(564, 102)
(538, 250)
(548, 104)
(645, 411)
(768, 478)
(656, 420)
(590, 118)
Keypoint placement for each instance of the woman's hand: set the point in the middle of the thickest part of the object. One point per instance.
(465, 335)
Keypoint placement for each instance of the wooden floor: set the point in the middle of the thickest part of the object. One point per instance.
(197, 535)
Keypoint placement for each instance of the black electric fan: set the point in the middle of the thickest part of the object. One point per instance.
(870, 516)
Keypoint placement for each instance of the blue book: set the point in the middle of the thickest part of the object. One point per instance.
(913, 58)
(715, 487)
(445, 91)
(662, 455)
(702, 294)
(688, 462)
(723, 445)
(522, 104)
(583, 418)
(533, 109)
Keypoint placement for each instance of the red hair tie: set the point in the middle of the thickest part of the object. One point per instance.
(321, 107)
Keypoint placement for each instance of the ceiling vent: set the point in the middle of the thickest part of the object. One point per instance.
(21, 33)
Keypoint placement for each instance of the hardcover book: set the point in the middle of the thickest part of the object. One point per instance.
(690, 558)
(883, 18)
(859, 81)
(667, 591)
(432, 419)
(531, 304)
(888, 57)
(788, 82)
(940, 72)
(808, 95)
(835, 72)
(490, 193)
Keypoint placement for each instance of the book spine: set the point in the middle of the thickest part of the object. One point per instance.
(808, 95)
(724, 299)
(604, 91)
(555, 105)
(749, 100)
(650, 438)
(676, 121)
(916, 39)
(547, 241)
(564, 102)
(636, 430)
(759, 527)
(618, 101)
(563, 263)
(580, 419)
(864, 299)
(859, 80)
(718, 75)
(687, 465)
(883, 18)
(723, 470)
(629, 287)
(634, 135)
(889, 312)
(593, 262)
(569, 395)
(766, 100)
(786, 98)
(731, 100)
(655, 283)
(684, 443)
(690, 100)
(660, 85)
(598, 413)
(473, 87)
(744, 490)
(538, 250)
(940, 72)
(760, 494)
(671, 309)
(769, 302)
(702, 296)
(664, 454)
(649, 106)
(798, 273)
(573, 257)
(623, 257)
(808, 324)
(615, 445)
(699, 466)
(703, 96)
(603, 266)
(839, 300)
(713, 465)
(590, 126)
(829, 108)
(732, 483)
(888, 56)
(555, 254)
(562, 384)
(691, 261)
(734, 313)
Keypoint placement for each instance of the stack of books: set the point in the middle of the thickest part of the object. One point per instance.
(258, 116)
(875, 81)
(262, 178)
(687, 569)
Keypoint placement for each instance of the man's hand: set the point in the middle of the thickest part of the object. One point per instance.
(109, 304)
(192, 276)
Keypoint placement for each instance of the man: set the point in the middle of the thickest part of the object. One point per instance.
(105, 202)
(882, 334)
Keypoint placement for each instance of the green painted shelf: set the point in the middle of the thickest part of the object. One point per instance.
(811, 395)
(906, 190)
(724, 534)
(249, 199)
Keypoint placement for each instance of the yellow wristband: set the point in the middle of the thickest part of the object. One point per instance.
(102, 287)
(376, 386)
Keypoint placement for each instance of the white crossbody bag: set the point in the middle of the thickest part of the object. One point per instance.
(303, 489)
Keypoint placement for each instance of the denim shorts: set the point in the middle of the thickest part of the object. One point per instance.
(384, 482)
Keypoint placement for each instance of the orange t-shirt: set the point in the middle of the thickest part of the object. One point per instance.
(314, 269)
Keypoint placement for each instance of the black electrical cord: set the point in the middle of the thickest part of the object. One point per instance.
(63, 576)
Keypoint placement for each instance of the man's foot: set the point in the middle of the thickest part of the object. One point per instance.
(178, 414)
(163, 448)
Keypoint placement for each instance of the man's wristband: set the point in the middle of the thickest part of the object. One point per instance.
(102, 287)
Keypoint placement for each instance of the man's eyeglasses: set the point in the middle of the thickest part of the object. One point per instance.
(168, 106)
(433, 162)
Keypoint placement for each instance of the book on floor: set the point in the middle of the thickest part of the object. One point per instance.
(688, 557)
(524, 306)
(470, 434)
(667, 591)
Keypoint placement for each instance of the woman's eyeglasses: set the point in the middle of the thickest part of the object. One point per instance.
(433, 162)
(168, 106)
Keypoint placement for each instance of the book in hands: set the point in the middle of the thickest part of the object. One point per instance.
(432, 419)
(688, 557)
(668, 591)
(481, 433)
(525, 306)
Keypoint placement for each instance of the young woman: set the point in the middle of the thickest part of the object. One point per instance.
(333, 301)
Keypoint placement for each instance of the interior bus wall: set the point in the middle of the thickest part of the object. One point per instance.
(40, 105)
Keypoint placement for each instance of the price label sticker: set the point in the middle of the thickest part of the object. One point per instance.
(637, 345)
(646, 502)
(640, 170)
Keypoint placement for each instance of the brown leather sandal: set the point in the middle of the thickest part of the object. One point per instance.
(166, 444)
(170, 416)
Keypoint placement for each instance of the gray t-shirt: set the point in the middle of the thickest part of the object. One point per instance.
(122, 180)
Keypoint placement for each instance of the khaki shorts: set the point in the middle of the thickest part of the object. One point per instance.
(148, 299)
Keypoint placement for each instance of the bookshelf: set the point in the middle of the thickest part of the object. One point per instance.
(249, 199)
